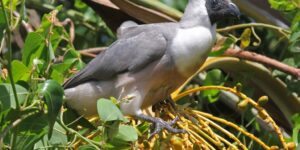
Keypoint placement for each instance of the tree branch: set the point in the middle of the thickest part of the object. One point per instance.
(263, 60)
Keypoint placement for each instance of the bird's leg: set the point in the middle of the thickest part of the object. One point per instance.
(171, 102)
(160, 124)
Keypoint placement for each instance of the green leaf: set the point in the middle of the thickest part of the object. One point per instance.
(52, 93)
(296, 129)
(34, 48)
(214, 77)
(126, 133)
(59, 136)
(30, 131)
(57, 76)
(7, 99)
(111, 130)
(108, 111)
(283, 5)
(20, 71)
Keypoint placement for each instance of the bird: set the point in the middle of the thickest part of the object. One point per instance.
(148, 62)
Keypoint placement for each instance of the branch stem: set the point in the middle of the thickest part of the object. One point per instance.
(282, 31)
(9, 66)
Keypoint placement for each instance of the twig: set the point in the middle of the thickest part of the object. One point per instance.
(283, 31)
(92, 52)
(61, 122)
(13, 125)
(95, 50)
(88, 54)
(72, 28)
(9, 45)
(26, 25)
(263, 60)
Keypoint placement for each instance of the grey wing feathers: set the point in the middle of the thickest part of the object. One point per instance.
(128, 54)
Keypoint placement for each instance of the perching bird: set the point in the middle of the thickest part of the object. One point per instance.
(148, 62)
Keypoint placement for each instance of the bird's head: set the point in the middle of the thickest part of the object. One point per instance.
(221, 9)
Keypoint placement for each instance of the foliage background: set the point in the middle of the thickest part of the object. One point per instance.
(38, 52)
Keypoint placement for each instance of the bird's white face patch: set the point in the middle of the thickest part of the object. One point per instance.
(191, 46)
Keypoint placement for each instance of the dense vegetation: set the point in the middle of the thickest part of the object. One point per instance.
(240, 99)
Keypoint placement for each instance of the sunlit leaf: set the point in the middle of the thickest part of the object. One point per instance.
(127, 133)
(214, 77)
(20, 71)
(282, 5)
(108, 111)
(7, 99)
(34, 48)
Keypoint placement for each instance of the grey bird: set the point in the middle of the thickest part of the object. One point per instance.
(148, 62)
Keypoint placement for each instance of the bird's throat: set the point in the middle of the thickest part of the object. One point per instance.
(190, 48)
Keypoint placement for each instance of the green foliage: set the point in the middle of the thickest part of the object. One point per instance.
(213, 77)
(115, 134)
(108, 111)
(7, 99)
(296, 130)
(30, 131)
(52, 93)
(37, 74)
(284, 5)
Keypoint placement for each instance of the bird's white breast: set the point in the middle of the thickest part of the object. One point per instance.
(191, 46)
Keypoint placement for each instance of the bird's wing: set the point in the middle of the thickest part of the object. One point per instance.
(126, 54)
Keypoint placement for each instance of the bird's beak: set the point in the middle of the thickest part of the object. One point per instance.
(234, 11)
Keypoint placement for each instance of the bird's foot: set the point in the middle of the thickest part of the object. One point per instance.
(168, 101)
(160, 124)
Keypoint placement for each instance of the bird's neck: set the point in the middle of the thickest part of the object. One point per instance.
(195, 15)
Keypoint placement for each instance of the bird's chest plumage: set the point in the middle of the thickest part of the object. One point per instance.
(190, 48)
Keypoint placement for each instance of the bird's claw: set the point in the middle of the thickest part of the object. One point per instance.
(160, 124)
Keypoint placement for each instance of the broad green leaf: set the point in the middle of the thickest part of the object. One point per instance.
(57, 76)
(34, 48)
(111, 130)
(108, 111)
(52, 93)
(30, 131)
(20, 71)
(214, 77)
(126, 133)
(7, 99)
(59, 136)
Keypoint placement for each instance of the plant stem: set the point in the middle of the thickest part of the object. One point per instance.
(9, 66)
(284, 32)
(60, 121)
